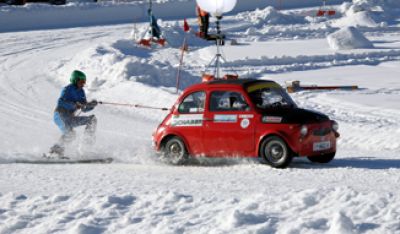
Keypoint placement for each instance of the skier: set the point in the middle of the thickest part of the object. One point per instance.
(203, 18)
(73, 98)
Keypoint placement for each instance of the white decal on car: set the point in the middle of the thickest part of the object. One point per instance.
(248, 116)
(187, 120)
(225, 118)
(272, 119)
(245, 123)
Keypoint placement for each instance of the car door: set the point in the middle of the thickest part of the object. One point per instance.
(229, 125)
(187, 120)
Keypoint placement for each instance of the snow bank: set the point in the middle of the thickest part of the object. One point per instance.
(124, 60)
(348, 38)
(360, 16)
(368, 13)
(376, 4)
(269, 16)
(356, 18)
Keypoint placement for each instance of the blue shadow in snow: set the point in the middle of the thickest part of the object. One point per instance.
(353, 162)
(130, 47)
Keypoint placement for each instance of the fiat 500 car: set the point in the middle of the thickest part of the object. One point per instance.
(244, 118)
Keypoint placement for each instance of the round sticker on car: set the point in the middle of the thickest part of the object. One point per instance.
(245, 123)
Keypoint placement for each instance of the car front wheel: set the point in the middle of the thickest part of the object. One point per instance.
(58, 2)
(174, 151)
(275, 152)
(322, 158)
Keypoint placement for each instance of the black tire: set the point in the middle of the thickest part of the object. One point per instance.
(174, 151)
(322, 158)
(275, 152)
(15, 2)
(58, 2)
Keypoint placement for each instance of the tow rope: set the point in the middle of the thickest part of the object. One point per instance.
(133, 105)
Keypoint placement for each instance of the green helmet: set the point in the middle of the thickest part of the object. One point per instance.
(76, 76)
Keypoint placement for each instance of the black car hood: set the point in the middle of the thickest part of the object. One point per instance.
(293, 116)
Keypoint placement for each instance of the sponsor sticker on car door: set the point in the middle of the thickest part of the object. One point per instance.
(187, 120)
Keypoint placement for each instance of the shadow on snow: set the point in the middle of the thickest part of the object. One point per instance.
(372, 163)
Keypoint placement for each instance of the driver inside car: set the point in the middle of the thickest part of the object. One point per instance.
(269, 98)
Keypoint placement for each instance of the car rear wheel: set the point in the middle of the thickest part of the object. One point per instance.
(322, 158)
(275, 152)
(174, 151)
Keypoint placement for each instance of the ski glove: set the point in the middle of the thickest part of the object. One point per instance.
(89, 106)
(95, 102)
(92, 104)
(79, 105)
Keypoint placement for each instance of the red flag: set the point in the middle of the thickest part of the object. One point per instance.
(186, 26)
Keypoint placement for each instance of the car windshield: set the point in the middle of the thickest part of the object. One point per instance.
(271, 97)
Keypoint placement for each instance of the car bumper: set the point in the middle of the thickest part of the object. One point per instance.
(320, 140)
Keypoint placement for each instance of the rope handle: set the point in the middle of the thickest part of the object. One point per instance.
(133, 105)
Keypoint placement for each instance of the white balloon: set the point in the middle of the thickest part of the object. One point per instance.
(216, 7)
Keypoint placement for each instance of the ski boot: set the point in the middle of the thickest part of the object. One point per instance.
(56, 152)
(89, 136)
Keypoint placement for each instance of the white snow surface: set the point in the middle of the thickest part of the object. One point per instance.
(348, 38)
(358, 192)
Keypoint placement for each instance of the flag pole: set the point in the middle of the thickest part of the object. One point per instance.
(183, 48)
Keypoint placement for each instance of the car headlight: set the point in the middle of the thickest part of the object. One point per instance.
(335, 126)
(303, 130)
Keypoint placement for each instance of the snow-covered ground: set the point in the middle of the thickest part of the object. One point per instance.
(358, 192)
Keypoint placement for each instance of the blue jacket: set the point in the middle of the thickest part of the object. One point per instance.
(70, 95)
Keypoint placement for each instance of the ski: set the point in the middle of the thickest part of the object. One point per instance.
(65, 161)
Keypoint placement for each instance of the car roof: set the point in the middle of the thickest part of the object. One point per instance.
(234, 82)
(221, 82)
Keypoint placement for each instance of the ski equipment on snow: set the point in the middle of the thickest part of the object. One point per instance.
(154, 29)
(65, 161)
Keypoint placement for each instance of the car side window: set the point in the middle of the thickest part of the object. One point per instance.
(227, 101)
(193, 103)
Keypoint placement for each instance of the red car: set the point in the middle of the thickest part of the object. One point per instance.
(244, 118)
